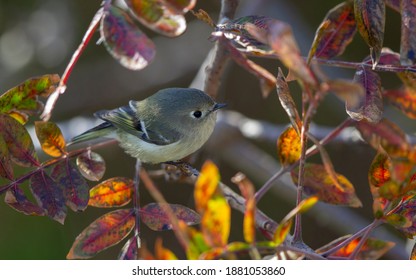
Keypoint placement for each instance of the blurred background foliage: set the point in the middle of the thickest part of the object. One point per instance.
(39, 36)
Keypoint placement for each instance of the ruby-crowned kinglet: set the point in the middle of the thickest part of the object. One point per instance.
(167, 126)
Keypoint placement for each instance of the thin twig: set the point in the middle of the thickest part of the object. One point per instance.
(356, 235)
(157, 195)
(220, 57)
(343, 64)
(52, 162)
(311, 151)
(136, 201)
(61, 88)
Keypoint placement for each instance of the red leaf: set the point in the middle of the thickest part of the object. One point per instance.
(18, 141)
(16, 199)
(335, 32)
(155, 217)
(125, 41)
(104, 232)
(74, 186)
(48, 195)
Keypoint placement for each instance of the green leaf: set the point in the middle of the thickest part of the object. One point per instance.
(125, 41)
(371, 16)
(24, 96)
(317, 182)
(155, 217)
(18, 141)
(335, 32)
(104, 232)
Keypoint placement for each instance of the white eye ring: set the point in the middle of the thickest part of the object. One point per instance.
(196, 114)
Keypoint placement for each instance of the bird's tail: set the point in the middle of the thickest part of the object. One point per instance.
(101, 130)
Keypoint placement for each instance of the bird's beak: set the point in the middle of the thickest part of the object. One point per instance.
(218, 106)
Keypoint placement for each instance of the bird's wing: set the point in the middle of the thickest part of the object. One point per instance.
(125, 118)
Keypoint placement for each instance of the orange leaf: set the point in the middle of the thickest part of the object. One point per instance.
(371, 250)
(50, 138)
(288, 146)
(162, 253)
(111, 193)
(281, 232)
(216, 221)
(206, 185)
(247, 190)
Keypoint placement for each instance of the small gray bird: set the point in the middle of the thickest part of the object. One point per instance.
(167, 126)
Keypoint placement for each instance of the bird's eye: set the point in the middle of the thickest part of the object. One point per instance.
(197, 114)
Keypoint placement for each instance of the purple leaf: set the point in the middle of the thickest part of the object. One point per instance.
(74, 186)
(16, 199)
(48, 195)
(125, 41)
(155, 217)
(130, 249)
(370, 106)
(408, 32)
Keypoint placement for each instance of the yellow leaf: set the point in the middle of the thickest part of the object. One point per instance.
(289, 147)
(216, 221)
(50, 138)
(206, 185)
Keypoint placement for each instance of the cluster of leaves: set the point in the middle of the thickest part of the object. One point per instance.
(58, 183)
